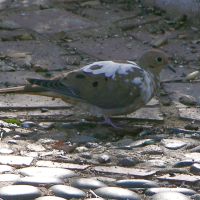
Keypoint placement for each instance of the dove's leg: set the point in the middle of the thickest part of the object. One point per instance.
(108, 121)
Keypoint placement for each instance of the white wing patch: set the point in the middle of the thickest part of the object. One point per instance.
(137, 80)
(110, 68)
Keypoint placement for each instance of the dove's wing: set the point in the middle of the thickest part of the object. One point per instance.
(55, 85)
(105, 84)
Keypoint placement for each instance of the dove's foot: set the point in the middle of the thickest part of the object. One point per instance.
(108, 121)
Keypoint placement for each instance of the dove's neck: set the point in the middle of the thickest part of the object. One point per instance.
(145, 65)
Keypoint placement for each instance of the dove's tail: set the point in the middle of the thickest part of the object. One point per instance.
(50, 88)
(28, 89)
(19, 89)
(23, 89)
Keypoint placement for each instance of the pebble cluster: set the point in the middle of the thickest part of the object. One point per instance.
(58, 183)
(148, 166)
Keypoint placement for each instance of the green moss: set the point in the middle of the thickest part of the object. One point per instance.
(13, 121)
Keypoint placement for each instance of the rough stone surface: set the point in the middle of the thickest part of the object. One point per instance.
(15, 160)
(19, 191)
(136, 183)
(62, 165)
(38, 180)
(6, 168)
(173, 144)
(67, 191)
(116, 193)
(86, 183)
(123, 170)
(169, 196)
(180, 178)
(51, 21)
(184, 191)
(46, 171)
(49, 198)
(9, 177)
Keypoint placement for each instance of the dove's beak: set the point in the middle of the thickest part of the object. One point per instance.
(171, 67)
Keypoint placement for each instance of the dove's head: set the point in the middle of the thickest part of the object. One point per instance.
(154, 60)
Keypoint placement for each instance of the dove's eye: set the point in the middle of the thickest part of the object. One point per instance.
(159, 59)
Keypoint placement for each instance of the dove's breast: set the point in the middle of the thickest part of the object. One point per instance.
(147, 84)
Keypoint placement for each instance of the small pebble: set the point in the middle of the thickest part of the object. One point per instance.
(195, 169)
(156, 163)
(192, 127)
(86, 155)
(12, 141)
(160, 41)
(192, 76)
(81, 149)
(91, 145)
(28, 124)
(184, 163)
(173, 144)
(127, 162)
(188, 100)
(104, 159)
(43, 110)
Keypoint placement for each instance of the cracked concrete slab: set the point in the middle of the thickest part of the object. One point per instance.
(16, 78)
(30, 101)
(50, 21)
(176, 90)
(190, 113)
(115, 48)
(39, 55)
(147, 114)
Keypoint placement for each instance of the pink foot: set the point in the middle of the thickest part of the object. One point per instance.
(108, 121)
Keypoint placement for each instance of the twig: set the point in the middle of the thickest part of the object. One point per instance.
(94, 194)
(1, 135)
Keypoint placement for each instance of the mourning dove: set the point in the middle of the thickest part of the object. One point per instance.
(104, 88)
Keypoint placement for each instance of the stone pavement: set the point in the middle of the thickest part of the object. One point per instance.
(51, 150)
